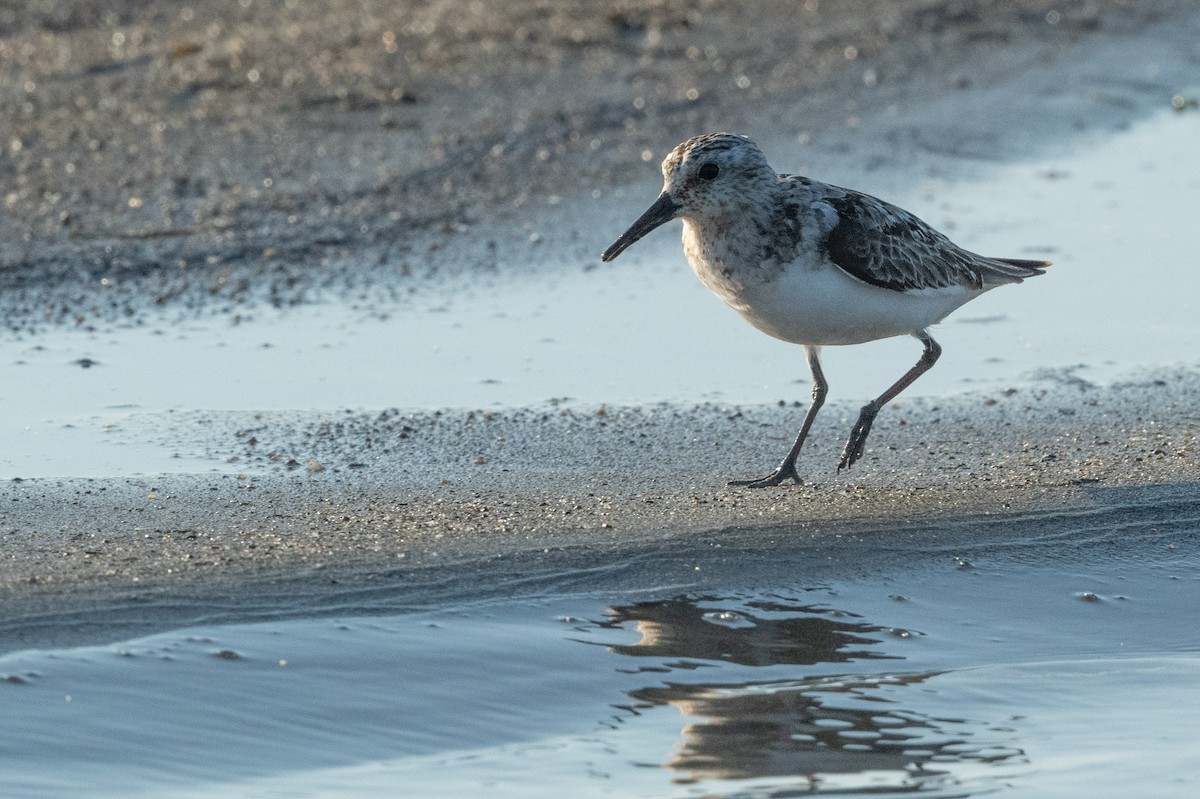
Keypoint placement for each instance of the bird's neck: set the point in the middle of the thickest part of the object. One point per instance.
(732, 241)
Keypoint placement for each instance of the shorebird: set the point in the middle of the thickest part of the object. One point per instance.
(814, 264)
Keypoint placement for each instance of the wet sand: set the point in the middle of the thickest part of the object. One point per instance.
(396, 172)
(441, 507)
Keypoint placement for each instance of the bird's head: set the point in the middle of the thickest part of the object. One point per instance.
(708, 176)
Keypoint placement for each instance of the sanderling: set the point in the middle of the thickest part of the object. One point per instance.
(814, 264)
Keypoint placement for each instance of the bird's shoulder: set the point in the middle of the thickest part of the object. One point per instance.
(792, 219)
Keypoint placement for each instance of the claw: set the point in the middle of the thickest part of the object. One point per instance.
(857, 442)
(849, 456)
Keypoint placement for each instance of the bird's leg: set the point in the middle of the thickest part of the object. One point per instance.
(787, 467)
(858, 435)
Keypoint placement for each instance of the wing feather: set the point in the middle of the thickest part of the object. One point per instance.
(886, 246)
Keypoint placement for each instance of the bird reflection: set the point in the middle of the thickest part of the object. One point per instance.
(681, 627)
(826, 729)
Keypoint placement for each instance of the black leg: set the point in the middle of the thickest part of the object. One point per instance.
(787, 467)
(858, 435)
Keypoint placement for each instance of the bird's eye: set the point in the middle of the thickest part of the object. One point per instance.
(708, 171)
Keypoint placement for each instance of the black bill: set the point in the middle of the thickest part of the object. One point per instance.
(663, 210)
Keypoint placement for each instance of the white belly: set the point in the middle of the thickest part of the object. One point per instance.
(826, 306)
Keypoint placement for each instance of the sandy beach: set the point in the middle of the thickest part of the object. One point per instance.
(169, 163)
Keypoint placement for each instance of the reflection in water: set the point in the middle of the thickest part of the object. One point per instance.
(681, 627)
(822, 732)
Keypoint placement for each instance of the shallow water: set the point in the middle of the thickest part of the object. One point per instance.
(1114, 213)
(1040, 664)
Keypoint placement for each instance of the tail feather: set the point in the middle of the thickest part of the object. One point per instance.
(1013, 270)
(1024, 263)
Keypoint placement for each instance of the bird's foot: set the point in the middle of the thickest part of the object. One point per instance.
(858, 438)
(785, 471)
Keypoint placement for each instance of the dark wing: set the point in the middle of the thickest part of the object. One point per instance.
(888, 247)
